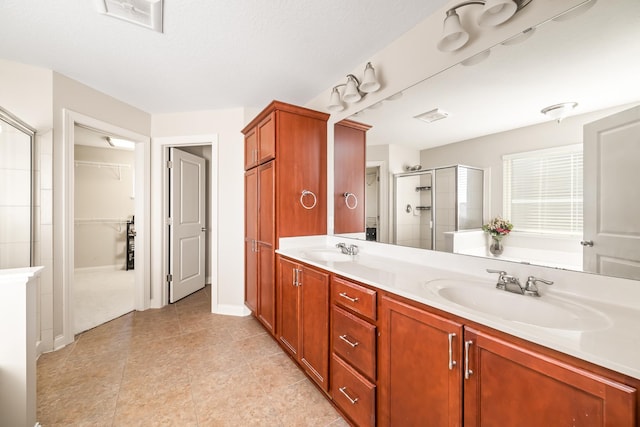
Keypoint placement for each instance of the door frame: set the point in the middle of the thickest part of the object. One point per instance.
(160, 233)
(66, 222)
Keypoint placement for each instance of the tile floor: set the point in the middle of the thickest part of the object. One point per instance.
(178, 366)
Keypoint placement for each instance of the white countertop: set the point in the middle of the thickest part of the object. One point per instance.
(406, 272)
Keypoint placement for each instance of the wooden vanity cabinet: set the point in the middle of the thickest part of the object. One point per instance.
(433, 369)
(349, 178)
(420, 367)
(353, 346)
(285, 194)
(520, 386)
(303, 317)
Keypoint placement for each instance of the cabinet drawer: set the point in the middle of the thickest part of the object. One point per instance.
(355, 341)
(354, 297)
(352, 393)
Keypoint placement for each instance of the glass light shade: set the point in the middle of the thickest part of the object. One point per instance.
(335, 104)
(351, 93)
(559, 111)
(495, 12)
(369, 81)
(453, 35)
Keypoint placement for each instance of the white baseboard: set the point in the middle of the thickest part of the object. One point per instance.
(231, 310)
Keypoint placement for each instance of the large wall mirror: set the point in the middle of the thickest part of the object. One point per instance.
(16, 195)
(490, 120)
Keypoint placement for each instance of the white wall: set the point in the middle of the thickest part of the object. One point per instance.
(227, 124)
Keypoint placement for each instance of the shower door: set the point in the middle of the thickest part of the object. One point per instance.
(16, 195)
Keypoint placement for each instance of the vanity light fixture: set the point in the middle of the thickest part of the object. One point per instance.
(494, 13)
(354, 90)
(559, 111)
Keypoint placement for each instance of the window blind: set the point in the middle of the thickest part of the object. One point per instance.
(543, 190)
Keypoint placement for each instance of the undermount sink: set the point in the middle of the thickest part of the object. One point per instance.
(327, 255)
(546, 311)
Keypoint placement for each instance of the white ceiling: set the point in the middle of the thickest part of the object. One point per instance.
(592, 59)
(213, 53)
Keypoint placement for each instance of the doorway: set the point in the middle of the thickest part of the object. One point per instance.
(104, 228)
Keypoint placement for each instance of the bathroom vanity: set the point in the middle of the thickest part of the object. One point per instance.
(415, 338)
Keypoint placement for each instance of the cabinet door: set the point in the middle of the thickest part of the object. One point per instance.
(314, 324)
(513, 386)
(250, 149)
(302, 171)
(287, 314)
(419, 367)
(267, 287)
(250, 242)
(267, 138)
(349, 165)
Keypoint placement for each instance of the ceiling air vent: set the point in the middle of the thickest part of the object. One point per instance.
(147, 13)
(432, 116)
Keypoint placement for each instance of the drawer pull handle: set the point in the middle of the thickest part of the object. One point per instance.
(348, 341)
(353, 400)
(452, 362)
(345, 296)
(467, 371)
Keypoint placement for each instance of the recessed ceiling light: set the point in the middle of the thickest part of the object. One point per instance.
(147, 13)
(432, 116)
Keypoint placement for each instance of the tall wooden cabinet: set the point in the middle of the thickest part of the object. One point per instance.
(285, 193)
(349, 178)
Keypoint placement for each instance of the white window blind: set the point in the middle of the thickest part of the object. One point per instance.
(543, 190)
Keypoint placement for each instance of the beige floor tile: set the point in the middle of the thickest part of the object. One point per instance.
(301, 404)
(177, 366)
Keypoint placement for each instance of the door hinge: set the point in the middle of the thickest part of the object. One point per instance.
(169, 277)
(169, 221)
(169, 164)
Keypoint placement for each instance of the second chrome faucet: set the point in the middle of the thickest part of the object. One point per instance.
(511, 283)
(347, 250)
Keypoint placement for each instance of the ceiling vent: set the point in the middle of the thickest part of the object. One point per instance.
(147, 13)
(432, 116)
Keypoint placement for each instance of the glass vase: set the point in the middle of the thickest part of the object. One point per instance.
(496, 247)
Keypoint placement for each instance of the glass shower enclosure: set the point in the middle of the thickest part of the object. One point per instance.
(431, 204)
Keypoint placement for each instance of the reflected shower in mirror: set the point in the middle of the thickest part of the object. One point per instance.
(491, 114)
(16, 177)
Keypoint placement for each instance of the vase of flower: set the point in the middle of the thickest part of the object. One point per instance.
(497, 228)
(496, 247)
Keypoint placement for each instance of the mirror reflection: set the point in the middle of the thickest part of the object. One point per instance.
(549, 176)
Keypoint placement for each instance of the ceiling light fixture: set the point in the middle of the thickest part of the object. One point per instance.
(558, 112)
(494, 13)
(124, 144)
(354, 90)
(147, 13)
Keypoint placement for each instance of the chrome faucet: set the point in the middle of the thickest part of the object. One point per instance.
(530, 287)
(510, 283)
(348, 250)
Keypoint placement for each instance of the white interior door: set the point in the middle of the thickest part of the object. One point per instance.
(612, 195)
(187, 224)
